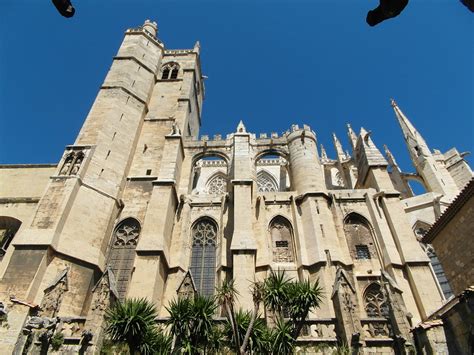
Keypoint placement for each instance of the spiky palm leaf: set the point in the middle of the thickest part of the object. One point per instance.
(131, 321)
(275, 291)
(283, 341)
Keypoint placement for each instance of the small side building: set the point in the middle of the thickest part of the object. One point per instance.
(450, 329)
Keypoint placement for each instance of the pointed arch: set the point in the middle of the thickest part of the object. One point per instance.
(266, 182)
(359, 237)
(217, 184)
(170, 71)
(122, 253)
(375, 302)
(203, 255)
(281, 234)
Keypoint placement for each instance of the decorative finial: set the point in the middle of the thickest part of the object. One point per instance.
(241, 127)
(197, 47)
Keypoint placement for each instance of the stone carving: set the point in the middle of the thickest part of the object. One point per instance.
(282, 241)
(376, 328)
(346, 307)
(35, 322)
(187, 289)
(53, 295)
(175, 131)
(71, 327)
(127, 234)
(72, 163)
(101, 296)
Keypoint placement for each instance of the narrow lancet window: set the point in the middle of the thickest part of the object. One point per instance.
(203, 256)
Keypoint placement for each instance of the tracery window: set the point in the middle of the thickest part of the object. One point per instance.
(282, 240)
(217, 185)
(170, 71)
(376, 304)
(203, 256)
(265, 182)
(122, 253)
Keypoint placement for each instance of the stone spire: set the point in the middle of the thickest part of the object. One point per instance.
(352, 136)
(434, 174)
(339, 150)
(415, 142)
(324, 155)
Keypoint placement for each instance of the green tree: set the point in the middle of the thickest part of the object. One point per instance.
(132, 322)
(191, 323)
(289, 303)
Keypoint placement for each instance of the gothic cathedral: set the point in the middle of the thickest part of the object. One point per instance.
(140, 205)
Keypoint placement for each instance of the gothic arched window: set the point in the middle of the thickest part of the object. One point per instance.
(122, 253)
(359, 237)
(170, 71)
(265, 182)
(203, 255)
(8, 228)
(376, 304)
(282, 240)
(217, 185)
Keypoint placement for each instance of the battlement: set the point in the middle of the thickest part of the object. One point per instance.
(179, 51)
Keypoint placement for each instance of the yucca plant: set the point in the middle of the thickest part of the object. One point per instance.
(132, 322)
(191, 323)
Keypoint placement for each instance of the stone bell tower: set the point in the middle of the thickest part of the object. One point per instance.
(57, 263)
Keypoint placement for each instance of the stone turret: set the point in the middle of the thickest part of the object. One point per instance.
(151, 27)
(305, 166)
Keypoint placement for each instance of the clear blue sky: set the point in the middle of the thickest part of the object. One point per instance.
(270, 63)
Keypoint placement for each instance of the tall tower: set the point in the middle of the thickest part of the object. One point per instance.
(132, 136)
(433, 172)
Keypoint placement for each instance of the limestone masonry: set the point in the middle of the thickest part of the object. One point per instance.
(141, 206)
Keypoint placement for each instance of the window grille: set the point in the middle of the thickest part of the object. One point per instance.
(203, 256)
(362, 252)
